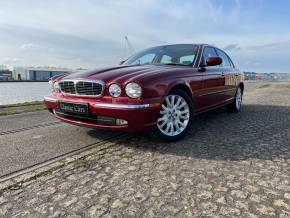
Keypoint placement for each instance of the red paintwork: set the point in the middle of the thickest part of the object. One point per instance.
(209, 87)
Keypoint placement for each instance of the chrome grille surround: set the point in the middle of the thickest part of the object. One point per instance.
(82, 87)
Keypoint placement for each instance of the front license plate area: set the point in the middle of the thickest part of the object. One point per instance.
(74, 108)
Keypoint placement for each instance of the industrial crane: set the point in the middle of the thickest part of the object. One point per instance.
(129, 47)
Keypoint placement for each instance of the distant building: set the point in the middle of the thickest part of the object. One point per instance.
(252, 76)
(267, 76)
(5, 74)
(37, 73)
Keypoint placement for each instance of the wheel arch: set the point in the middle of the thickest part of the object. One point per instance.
(182, 86)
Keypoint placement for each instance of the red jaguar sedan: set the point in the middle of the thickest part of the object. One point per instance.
(162, 88)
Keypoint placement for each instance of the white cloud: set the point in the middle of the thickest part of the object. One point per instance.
(28, 46)
(31, 46)
(8, 60)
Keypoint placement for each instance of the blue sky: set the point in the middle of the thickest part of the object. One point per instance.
(90, 34)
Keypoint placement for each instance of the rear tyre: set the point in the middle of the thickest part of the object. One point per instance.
(236, 105)
(176, 115)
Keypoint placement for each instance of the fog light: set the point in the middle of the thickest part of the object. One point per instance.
(121, 122)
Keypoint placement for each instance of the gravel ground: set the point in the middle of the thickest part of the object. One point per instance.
(230, 165)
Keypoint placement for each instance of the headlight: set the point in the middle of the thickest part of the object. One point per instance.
(133, 90)
(54, 86)
(50, 83)
(115, 90)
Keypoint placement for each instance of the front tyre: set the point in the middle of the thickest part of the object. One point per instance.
(176, 115)
(235, 106)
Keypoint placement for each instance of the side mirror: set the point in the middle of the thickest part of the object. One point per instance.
(121, 62)
(213, 61)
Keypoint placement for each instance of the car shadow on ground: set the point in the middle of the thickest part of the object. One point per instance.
(257, 131)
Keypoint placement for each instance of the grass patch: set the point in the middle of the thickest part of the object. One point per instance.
(288, 86)
(22, 104)
(20, 112)
(265, 86)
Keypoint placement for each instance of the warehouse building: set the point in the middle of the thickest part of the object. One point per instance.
(37, 73)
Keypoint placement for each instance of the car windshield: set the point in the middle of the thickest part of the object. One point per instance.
(166, 55)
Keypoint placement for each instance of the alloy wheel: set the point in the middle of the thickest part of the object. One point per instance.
(238, 98)
(174, 115)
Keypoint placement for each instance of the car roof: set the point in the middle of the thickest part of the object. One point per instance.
(198, 44)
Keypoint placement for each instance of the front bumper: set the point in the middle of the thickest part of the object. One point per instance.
(138, 116)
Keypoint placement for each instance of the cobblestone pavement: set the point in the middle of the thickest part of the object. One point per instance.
(230, 165)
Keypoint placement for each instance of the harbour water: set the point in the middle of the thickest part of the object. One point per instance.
(19, 92)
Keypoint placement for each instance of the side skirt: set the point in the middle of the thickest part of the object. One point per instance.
(203, 110)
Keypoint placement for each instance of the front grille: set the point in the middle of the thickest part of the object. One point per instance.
(68, 87)
(87, 88)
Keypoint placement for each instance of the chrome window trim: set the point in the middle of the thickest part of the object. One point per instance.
(75, 81)
(123, 106)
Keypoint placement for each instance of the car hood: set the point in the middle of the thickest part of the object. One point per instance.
(125, 74)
